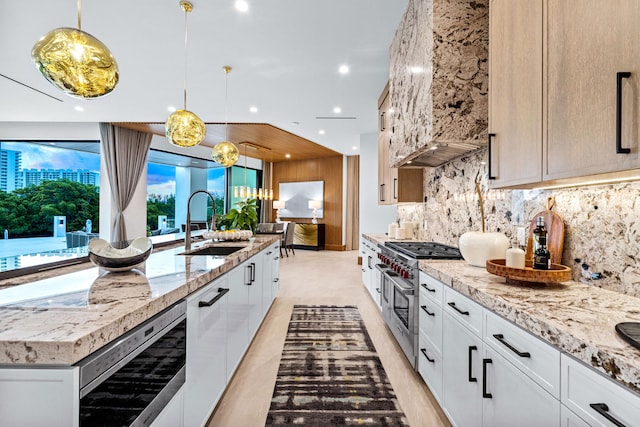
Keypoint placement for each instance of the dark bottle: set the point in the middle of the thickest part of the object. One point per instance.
(541, 256)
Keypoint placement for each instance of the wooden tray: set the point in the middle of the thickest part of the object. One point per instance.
(557, 273)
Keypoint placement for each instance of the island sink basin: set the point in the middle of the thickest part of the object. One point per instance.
(214, 250)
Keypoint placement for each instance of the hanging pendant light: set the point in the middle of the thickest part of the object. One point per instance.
(246, 192)
(76, 62)
(225, 152)
(183, 128)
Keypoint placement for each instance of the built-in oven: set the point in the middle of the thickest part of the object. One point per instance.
(130, 381)
(400, 314)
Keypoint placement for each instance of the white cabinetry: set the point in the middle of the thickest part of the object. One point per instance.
(238, 315)
(206, 351)
(173, 414)
(271, 275)
(39, 397)
(371, 280)
(430, 336)
(596, 399)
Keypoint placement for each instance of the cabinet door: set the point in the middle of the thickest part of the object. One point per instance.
(254, 284)
(384, 122)
(267, 277)
(515, 92)
(275, 271)
(237, 317)
(462, 374)
(510, 398)
(206, 351)
(588, 43)
(569, 419)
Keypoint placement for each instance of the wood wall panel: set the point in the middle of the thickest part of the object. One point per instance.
(327, 169)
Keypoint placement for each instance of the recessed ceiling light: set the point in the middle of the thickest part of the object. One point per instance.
(241, 5)
(354, 147)
(253, 109)
(79, 108)
(337, 110)
(171, 109)
(288, 156)
(321, 131)
(344, 69)
(416, 69)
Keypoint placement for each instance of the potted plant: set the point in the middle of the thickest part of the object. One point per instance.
(244, 217)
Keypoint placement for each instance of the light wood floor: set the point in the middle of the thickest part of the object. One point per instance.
(324, 277)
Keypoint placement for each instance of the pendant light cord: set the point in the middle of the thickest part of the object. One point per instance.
(79, 14)
(186, 13)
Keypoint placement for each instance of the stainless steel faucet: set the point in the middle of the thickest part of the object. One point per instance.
(187, 230)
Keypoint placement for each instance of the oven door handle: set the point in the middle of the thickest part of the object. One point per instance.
(381, 269)
(406, 290)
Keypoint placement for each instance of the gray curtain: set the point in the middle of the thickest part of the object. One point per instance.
(266, 212)
(125, 155)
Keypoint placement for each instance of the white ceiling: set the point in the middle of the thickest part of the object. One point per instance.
(285, 56)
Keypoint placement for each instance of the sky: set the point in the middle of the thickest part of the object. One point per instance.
(161, 179)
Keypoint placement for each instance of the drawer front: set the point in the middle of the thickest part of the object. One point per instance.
(534, 357)
(596, 399)
(431, 287)
(430, 321)
(569, 419)
(430, 366)
(463, 309)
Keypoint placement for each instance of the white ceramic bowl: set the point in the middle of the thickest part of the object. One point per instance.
(105, 256)
(477, 247)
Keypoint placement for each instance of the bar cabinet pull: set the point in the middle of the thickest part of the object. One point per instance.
(424, 308)
(472, 379)
(491, 135)
(221, 292)
(424, 352)
(619, 76)
(424, 285)
(453, 305)
(485, 362)
(504, 342)
(603, 409)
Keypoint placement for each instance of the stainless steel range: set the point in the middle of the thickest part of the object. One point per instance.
(400, 287)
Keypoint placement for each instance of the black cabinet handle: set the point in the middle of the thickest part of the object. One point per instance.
(504, 342)
(485, 362)
(472, 379)
(424, 285)
(248, 280)
(378, 290)
(382, 128)
(603, 410)
(382, 192)
(424, 352)
(253, 272)
(453, 305)
(491, 135)
(220, 294)
(619, 76)
(424, 308)
(395, 188)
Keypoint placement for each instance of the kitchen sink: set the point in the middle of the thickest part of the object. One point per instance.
(214, 250)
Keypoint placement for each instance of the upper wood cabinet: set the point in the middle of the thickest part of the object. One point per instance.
(394, 185)
(557, 99)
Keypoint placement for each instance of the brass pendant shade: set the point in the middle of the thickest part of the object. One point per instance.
(225, 153)
(184, 129)
(76, 62)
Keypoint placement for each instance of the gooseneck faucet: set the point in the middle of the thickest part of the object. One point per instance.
(187, 236)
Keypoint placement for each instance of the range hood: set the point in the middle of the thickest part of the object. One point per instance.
(438, 85)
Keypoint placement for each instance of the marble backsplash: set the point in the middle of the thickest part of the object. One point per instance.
(602, 223)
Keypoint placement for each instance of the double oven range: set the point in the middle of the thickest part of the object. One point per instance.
(399, 287)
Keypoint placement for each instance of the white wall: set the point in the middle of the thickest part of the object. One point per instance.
(373, 217)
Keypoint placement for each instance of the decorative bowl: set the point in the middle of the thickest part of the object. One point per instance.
(110, 258)
(476, 247)
(226, 235)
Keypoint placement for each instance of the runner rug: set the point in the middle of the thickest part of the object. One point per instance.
(330, 373)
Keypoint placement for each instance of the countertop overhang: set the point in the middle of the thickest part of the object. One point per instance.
(58, 319)
(576, 318)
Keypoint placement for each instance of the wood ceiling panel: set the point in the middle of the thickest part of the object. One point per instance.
(265, 142)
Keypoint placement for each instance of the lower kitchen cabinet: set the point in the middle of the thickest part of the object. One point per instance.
(596, 399)
(462, 373)
(511, 398)
(270, 275)
(430, 366)
(237, 316)
(371, 277)
(173, 415)
(206, 351)
(569, 419)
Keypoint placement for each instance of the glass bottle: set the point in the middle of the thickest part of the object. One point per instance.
(541, 255)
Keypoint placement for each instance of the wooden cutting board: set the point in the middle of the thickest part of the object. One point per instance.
(555, 233)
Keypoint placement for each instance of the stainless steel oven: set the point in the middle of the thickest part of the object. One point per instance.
(130, 381)
(399, 284)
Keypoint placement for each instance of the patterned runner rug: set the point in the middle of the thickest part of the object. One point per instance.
(330, 373)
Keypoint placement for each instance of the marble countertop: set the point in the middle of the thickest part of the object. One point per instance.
(58, 318)
(576, 318)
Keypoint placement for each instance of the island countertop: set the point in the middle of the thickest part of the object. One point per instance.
(576, 318)
(58, 319)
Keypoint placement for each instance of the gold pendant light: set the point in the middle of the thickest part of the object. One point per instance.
(183, 128)
(225, 152)
(76, 62)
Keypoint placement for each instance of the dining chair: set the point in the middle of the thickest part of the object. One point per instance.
(288, 238)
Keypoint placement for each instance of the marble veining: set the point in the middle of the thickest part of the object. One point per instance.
(439, 77)
(41, 323)
(576, 318)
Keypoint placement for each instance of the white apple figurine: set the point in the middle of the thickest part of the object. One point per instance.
(477, 247)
